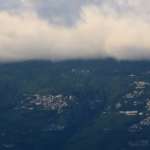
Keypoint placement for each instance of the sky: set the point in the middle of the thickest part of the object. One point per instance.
(73, 29)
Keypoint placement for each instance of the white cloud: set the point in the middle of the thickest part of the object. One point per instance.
(96, 34)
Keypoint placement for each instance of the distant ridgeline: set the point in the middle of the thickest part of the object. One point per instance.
(75, 105)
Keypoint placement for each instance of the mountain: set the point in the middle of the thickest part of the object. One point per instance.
(75, 105)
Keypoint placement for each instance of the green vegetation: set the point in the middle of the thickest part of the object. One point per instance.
(102, 90)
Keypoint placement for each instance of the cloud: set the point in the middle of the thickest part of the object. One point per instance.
(97, 34)
(60, 12)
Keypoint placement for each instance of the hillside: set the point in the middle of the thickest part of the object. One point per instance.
(75, 105)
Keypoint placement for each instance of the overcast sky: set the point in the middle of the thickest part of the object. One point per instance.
(70, 29)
